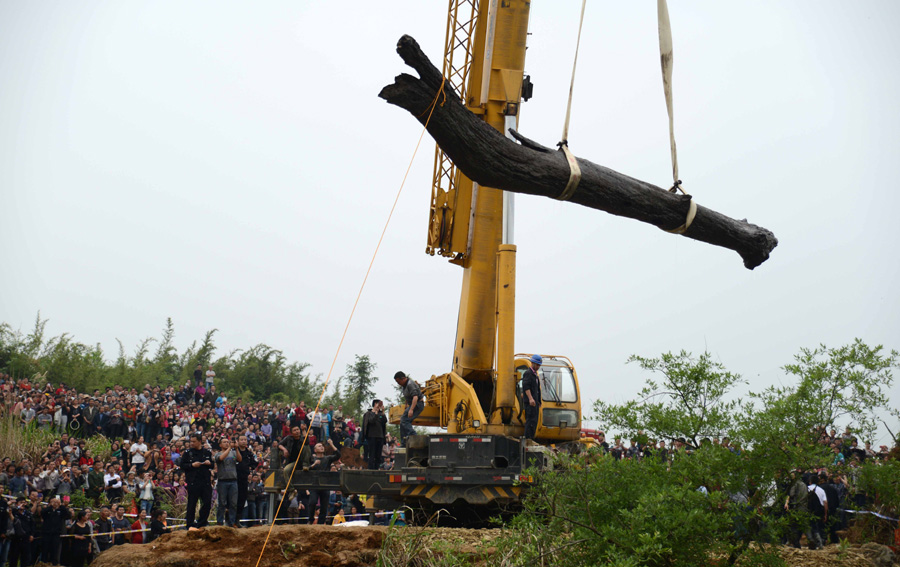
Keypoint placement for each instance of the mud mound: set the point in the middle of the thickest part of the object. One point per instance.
(293, 546)
(327, 546)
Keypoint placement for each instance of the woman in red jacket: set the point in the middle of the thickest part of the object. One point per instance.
(140, 524)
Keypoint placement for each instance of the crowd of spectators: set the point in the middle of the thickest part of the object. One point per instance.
(845, 447)
(139, 477)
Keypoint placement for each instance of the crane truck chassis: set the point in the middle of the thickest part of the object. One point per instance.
(482, 475)
(477, 474)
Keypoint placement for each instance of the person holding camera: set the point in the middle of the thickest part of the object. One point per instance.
(246, 465)
(145, 494)
(138, 454)
(112, 483)
(227, 460)
(374, 426)
(197, 464)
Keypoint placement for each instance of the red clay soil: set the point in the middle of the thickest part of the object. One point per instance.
(294, 546)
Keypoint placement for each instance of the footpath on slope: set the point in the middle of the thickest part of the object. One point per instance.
(336, 546)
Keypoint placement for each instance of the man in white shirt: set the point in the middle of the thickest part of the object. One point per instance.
(112, 482)
(818, 506)
(137, 454)
(210, 377)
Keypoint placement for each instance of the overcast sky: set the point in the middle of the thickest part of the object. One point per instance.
(229, 165)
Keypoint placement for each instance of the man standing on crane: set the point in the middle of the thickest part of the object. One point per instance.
(531, 395)
(373, 432)
(414, 405)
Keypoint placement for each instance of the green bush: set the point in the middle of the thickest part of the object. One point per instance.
(599, 510)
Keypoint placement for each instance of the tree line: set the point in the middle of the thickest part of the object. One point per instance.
(260, 372)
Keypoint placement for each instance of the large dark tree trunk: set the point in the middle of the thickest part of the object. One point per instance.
(489, 158)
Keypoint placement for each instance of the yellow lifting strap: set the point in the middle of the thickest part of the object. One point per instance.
(574, 169)
(666, 59)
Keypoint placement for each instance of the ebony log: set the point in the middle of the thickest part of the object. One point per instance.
(489, 158)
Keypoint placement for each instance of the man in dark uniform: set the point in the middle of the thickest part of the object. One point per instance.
(23, 522)
(531, 395)
(245, 467)
(197, 464)
(54, 516)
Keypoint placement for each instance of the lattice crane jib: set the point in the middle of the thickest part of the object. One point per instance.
(447, 231)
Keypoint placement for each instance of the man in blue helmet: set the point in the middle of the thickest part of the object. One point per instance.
(531, 395)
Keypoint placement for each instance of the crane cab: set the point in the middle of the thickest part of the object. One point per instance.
(560, 417)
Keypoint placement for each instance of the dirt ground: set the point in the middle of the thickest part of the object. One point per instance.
(294, 546)
(327, 546)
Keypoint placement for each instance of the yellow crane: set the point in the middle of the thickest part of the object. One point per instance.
(480, 456)
(484, 61)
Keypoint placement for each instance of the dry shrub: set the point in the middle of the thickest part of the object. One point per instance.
(20, 442)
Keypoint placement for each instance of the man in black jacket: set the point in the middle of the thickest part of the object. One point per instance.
(245, 467)
(831, 494)
(89, 416)
(104, 527)
(54, 519)
(294, 451)
(373, 430)
(320, 496)
(531, 396)
(197, 465)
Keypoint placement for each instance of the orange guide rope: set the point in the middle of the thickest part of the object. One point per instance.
(355, 303)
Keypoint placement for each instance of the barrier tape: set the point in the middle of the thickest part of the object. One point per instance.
(109, 534)
(876, 514)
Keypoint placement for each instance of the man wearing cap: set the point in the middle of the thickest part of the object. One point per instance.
(531, 395)
(414, 405)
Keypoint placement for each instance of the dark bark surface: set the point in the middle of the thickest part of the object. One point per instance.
(487, 157)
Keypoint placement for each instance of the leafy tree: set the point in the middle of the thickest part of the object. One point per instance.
(298, 380)
(689, 401)
(358, 379)
(848, 384)
(596, 510)
(845, 385)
